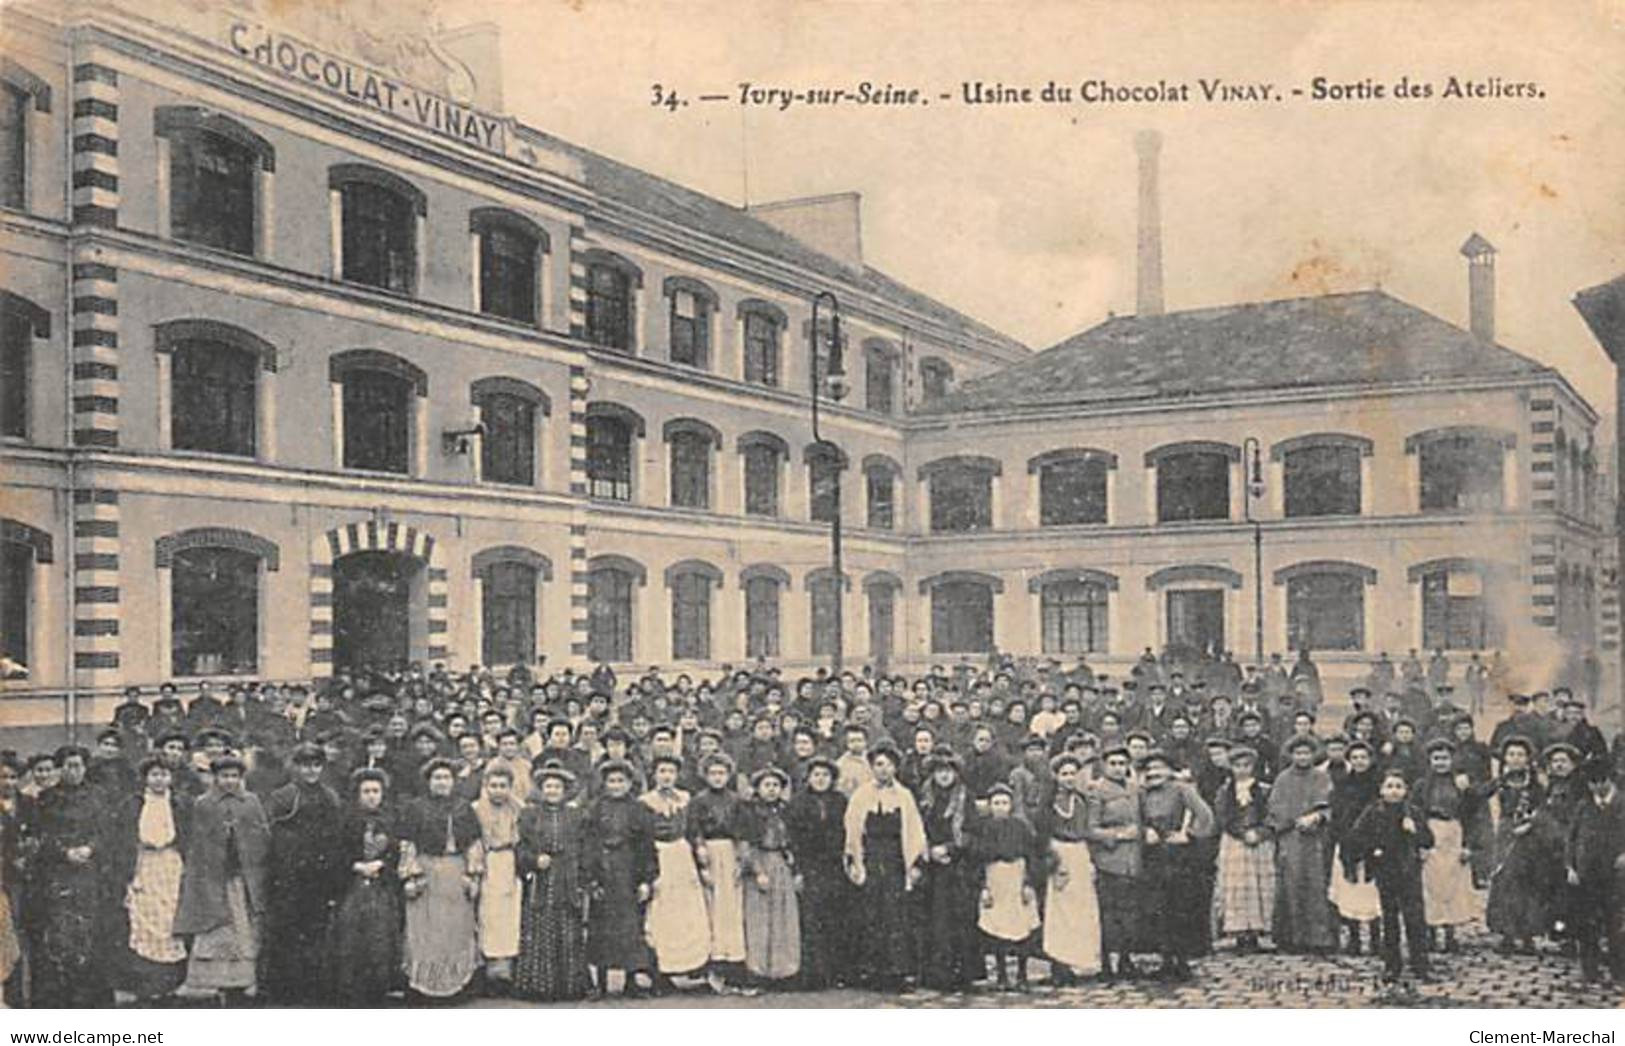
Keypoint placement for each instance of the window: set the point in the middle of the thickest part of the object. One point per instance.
(691, 617)
(609, 621)
(879, 380)
(1325, 611)
(16, 590)
(1193, 485)
(690, 470)
(214, 602)
(377, 420)
(824, 483)
(215, 398)
(823, 594)
(508, 613)
(881, 488)
(1074, 617)
(508, 263)
(690, 305)
(935, 378)
(16, 370)
(1072, 490)
(961, 617)
(762, 479)
(211, 191)
(762, 617)
(609, 458)
(379, 236)
(508, 451)
(961, 497)
(1462, 472)
(1457, 611)
(609, 306)
(762, 334)
(14, 106)
(1322, 480)
(882, 622)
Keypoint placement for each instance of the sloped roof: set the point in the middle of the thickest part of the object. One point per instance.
(675, 203)
(1361, 338)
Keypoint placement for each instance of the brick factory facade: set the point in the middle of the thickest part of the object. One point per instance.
(311, 355)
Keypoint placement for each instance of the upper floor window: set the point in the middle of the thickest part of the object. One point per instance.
(1325, 605)
(1193, 481)
(691, 446)
(510, 263)
(610, 434)
(21, 321)
(690, 585)
(880, 381)
(379, 216)
(611, 310)
(880, 483)
(1460, 609)
(1461, 469)
(20, 92)
(1072, 486)
(961, 492)
(215, 398)
(824, 466)
(1321, 474)
(690, 307)
(214, 167)
(763, 332)
(763, 453)
(378, 402)
(508, 410)
(936, 378)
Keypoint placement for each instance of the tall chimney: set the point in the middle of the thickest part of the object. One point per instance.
(1148, 289)
(1480, 257)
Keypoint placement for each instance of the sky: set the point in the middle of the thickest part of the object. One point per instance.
(1024, 216)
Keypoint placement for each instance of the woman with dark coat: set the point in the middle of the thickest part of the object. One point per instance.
(815, 819)
(622, 866)
(68, 967)
(552, 860)
(366, 937)
(147, 836)
(950, 953)
(885, 840)
(223, 891)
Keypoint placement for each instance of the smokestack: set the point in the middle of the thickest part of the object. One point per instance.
(1148, 289)
(1480, 257)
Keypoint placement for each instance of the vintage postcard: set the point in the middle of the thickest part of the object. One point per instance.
(812, 504)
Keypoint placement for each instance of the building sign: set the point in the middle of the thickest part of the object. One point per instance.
(360, 85)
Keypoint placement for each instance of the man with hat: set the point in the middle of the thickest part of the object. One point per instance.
(1300, 816)
(1115, 836)
(1572, 727)
(1031, 782)
(1175, 816)
(174, 749)
(1594, 860)
(1522, 722)
(305, 881)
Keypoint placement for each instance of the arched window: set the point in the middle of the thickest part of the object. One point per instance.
(21, 547)
(510, 263)
(764, 454)
(823, 597)
(1461, 468)
(690, 305)
(961, 492)
(1325, 604)
(1074, 612)
(1321, 474)
(880, 376)
(961, 612)
(508, 409)
(880, 485)
(215, 398)
(881, 588)
(690, 583)
(691, 444)
(21, 321)
(936, 378)
(509, 576)
(214, 605)
(764, 325)
(611, 312)
(825, 463)
(378, 407)
(21, 91)
(1460, 604)
(764, 586)
(1193, 480)
(611, 430)
(379, 215)
(610, 584)
(214, 165)
(1072, 486)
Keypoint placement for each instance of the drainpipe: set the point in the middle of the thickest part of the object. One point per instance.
(70, 556)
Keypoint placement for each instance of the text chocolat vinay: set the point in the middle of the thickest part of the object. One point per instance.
(290, 57)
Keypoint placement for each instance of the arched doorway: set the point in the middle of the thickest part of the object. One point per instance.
(379, 599)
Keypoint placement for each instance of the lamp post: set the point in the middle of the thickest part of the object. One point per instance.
(1253, 489)
(835, 379)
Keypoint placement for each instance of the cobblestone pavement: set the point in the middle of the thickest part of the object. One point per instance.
(1475, 977)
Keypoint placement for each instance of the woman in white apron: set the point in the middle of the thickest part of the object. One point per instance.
(1009, 912)
(678, 931)
(500, 899)
(1071, 936)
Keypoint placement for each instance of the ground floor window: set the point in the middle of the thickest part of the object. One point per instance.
(691, 617)
(762, 617)
(508, 614)
(1458, 613)
(1074, 617)
(16, 584)
(214, 600)
(961, 618)
(1325, 612)
(609, 623)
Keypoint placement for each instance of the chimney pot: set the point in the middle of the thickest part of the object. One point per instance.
(1148, 286)
(1480, 255)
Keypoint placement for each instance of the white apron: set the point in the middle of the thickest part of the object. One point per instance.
(1448, 896)
(725, 902)
(676, 926)
(1072, 911)
(1011, 917)
(500, 902)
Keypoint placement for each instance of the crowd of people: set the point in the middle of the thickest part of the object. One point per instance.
(410, 833)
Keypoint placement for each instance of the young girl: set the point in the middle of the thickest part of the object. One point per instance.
(677, 926)
(498, 810)
(1009, 913)
(1071, 909)
(772, 925)
(551, 854)
(1389, 840)
(1244, 901)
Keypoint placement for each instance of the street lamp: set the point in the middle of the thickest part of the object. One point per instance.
(1252, 490)
(836, 388)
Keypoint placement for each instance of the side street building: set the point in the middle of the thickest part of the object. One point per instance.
(312, 355)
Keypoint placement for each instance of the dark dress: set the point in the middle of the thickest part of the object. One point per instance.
(817, 839)
(366, 936)
(621, 858)
(950, 950)
(305, 884)
(1519, 902)
(552, 961)
(883, 899)
(68, 967)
